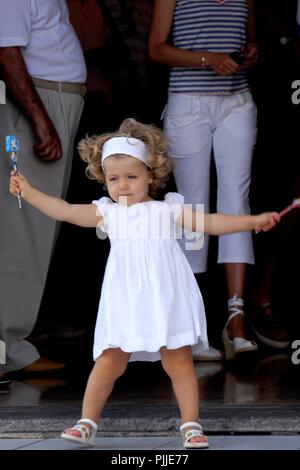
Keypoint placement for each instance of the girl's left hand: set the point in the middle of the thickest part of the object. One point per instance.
(266, 221)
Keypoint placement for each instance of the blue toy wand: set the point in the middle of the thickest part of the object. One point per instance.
(12, 147)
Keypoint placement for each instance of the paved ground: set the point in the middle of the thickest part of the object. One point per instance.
(217, 443)
(251, 413)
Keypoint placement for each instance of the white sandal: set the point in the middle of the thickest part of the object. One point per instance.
(195, 430)
(87, 434)
(209, 355)
(236, 345)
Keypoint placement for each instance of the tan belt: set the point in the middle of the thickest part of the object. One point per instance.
(61, 87)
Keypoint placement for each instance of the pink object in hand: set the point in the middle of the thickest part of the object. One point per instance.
(295, 203)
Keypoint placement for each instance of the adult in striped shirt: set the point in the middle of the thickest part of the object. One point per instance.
(210, 108)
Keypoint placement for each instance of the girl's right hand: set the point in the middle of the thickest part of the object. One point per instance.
(19, 185)
(222, 63)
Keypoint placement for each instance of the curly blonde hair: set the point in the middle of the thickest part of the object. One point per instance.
(158, 158)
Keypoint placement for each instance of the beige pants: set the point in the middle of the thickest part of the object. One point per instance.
(27, 236)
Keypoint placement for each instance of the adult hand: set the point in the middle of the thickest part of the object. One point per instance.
(222, 63)
(251, 53)
(48, 147)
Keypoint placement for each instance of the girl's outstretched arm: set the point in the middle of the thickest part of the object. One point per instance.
(221, 224)
(83, 215)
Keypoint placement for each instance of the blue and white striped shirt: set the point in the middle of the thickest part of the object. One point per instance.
(206, 25)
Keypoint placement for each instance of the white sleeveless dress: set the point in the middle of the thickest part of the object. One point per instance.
(150, 298)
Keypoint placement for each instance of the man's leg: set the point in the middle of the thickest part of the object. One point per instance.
(27, 236)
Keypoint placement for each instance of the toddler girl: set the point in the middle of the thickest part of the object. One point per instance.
(151, 307)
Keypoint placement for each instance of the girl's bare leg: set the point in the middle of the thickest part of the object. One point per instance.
(108, 367)
(178, 364)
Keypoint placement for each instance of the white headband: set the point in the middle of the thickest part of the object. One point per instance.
(126, 146)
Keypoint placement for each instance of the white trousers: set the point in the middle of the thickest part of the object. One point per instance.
(195, 125)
